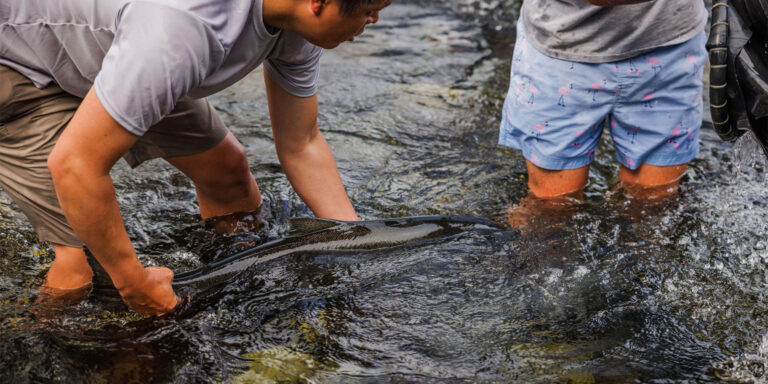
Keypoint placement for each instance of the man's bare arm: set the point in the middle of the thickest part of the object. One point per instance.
(304, 154)
(80, 163)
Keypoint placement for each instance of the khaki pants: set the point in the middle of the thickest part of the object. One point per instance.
(31, 121)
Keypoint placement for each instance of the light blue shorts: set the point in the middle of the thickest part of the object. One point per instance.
(555, 109)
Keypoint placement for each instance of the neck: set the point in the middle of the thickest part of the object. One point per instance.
(283, 14)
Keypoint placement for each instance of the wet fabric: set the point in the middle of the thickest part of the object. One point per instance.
(578, 31)
(555, 110)
(143, 56)
(31, 121)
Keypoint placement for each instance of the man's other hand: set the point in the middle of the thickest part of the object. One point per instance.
(151, 294)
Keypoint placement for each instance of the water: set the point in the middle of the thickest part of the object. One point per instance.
(617, 290)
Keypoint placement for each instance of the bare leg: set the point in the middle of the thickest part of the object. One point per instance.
(549, 191)
(70, 269)
(650, 181)
(222, 179)
(68, 280)
(548, 184)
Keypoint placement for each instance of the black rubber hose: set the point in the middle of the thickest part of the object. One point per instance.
(718, 72)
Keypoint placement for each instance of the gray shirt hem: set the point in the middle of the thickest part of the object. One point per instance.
(597, 58)
(571, 30)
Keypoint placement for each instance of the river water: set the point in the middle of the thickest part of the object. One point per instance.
(615, 290)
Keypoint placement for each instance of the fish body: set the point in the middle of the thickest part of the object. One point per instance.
(309, 235)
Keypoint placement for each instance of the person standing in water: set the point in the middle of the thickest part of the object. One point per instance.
(636, 65)
(86, 82)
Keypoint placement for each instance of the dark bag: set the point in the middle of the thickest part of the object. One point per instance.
(738, 55)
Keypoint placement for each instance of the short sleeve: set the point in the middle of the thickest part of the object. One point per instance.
(158, 54)
(294, 64)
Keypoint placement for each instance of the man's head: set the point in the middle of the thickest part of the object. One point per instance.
(332, 22)
(347, 7)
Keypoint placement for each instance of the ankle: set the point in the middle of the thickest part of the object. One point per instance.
(70, 269)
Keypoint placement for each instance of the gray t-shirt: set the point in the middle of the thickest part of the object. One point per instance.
(143, 55)
(576, 30)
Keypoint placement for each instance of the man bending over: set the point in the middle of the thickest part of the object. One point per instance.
(86, 82)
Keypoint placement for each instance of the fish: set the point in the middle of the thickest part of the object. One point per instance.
(200, 286)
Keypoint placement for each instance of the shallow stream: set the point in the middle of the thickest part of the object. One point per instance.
(616, 290)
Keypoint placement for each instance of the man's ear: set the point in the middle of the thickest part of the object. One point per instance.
(317, 6)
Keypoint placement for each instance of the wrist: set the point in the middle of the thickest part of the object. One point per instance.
(127, 276)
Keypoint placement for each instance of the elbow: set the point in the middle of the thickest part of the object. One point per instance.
(291, 147)
(289, 153)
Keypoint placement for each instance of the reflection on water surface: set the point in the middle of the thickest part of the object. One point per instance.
(617, 291)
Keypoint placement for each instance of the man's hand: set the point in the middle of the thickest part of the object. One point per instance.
(80, 163)
(151, 293)
(304, 154)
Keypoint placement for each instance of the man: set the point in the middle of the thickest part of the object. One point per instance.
(637, 63)
(85, 82)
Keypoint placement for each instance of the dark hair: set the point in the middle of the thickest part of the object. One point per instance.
(348, 6)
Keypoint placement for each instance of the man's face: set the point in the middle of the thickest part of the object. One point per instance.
(334, 28)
